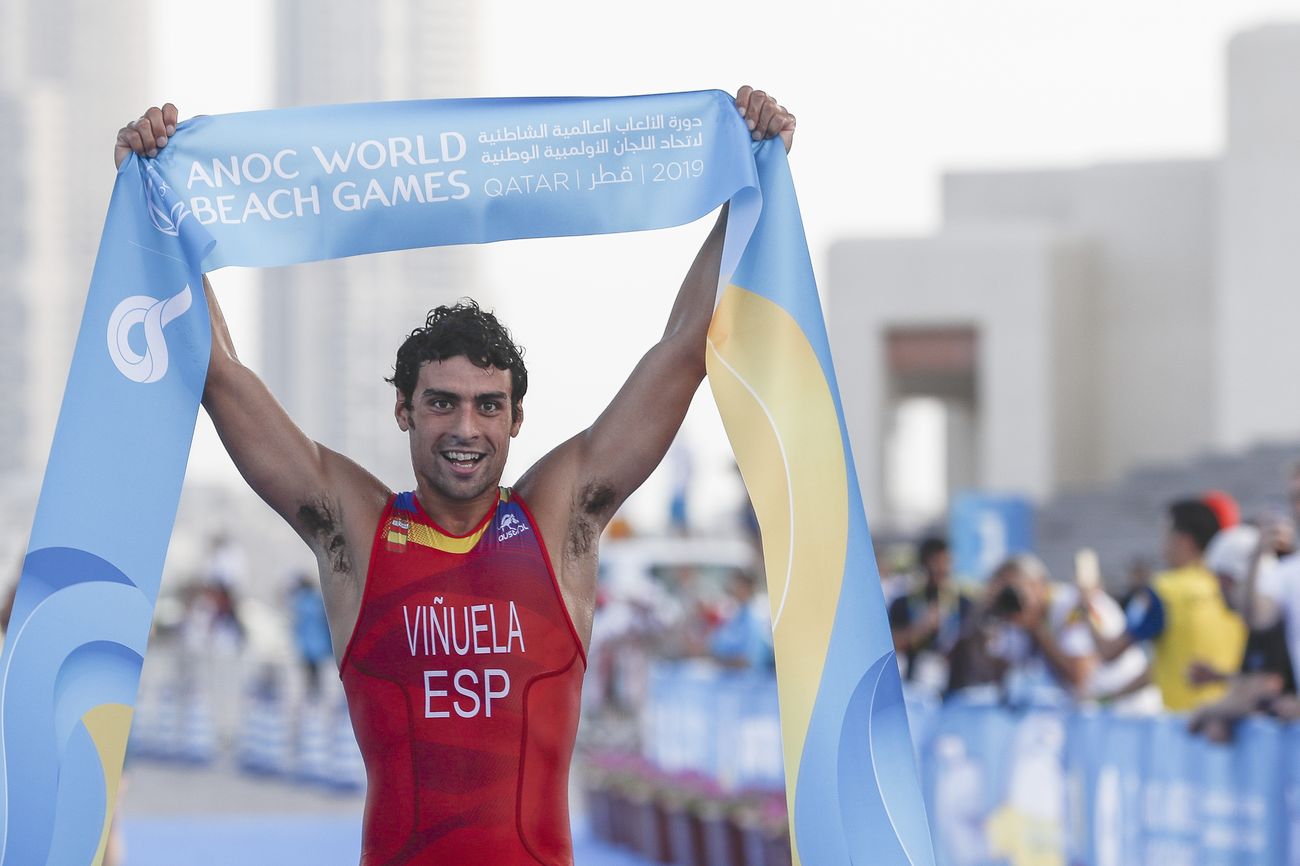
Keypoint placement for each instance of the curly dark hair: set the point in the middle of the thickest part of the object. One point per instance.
(463, 329)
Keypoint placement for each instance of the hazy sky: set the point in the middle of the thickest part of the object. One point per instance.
(888, 94)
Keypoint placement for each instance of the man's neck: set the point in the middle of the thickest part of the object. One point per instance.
(456, 516)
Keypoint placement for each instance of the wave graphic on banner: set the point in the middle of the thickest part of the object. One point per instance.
(296, 185)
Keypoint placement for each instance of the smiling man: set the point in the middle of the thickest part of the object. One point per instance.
(460, 611)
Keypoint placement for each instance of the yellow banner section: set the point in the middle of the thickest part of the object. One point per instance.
(109, 726)
(775, 402)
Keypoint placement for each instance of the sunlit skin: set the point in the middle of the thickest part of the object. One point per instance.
(459, 409)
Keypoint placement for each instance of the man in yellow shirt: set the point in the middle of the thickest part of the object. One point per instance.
(1183, 614)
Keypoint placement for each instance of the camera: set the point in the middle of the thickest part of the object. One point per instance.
(1007, 602)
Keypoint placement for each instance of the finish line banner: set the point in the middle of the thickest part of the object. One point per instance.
(296, 185)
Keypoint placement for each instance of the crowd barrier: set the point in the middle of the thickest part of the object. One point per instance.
(1096, 789)
(1025, 787)
(312, 743)
(723, 725)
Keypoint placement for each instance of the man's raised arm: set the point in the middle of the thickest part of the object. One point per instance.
(599, 468)
(308, 484)
(315, 489)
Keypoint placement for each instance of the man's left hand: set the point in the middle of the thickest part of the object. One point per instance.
(765, 117)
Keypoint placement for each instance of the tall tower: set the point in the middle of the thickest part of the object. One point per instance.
(70, 76)
(1256, 350)
(331, 329)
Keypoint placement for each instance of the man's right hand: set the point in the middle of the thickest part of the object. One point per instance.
(146, 135)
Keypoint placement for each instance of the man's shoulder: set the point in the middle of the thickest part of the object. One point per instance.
(1180, 580)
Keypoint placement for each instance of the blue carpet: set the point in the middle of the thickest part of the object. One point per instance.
(283, 840)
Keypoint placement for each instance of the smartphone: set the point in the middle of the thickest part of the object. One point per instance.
(1087, 569)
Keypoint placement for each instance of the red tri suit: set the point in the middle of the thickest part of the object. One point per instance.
(463, 678)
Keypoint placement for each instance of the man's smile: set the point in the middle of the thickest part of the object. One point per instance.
(462, 462)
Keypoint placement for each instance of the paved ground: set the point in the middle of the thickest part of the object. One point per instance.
(295, 840)
(172, 815)
(161, 790)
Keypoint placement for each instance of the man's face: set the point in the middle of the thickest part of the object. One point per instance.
(459, 426)
(939, 565)
(1180, 550)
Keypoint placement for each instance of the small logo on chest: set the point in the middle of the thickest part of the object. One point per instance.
(510, 526)
(399, 529)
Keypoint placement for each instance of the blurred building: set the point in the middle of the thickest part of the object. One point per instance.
(1077, 322)
(69, 75)
(331, 329)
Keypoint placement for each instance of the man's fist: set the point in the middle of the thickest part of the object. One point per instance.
(146, 135)
(764, 116)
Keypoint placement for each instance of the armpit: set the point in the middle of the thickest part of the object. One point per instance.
(591, 509)
(596, 498)
(322, 522)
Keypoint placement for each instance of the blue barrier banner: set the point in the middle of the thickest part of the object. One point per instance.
(996, 783)
(1088, 788)
(297, 185)
(1290, 799)
(985, 529)
(1170, 810)
(1240, 817)
(722, 725)
(1084, 741)
(960, 761)
(1044, 787)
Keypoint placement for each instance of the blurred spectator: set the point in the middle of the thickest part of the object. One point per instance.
(893, 583)
(627, 635)
(1277, 584)
(744, 639)
(1044, 640)
(1139, 580)
(1267, 673)
(687, 614)
(311, 633)
(1275, 569)
(681, 466)
(226, 565)
(1183, 614)
(1236, 558)
(927, 623)
(212, 644)
(1272, 609)
(212, 623)
(1225, 508)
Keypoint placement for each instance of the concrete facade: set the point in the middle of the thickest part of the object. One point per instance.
(62, 72)
(1020, 290)
(1126, 313)
(1257, 306)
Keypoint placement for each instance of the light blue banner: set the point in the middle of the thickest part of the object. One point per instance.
(985, 529)
(1093, 789)
(276, 188)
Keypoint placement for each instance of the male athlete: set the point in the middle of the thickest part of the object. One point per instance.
(460, 611)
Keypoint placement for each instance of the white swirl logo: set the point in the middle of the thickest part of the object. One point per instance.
(154, 315)
(166, 220)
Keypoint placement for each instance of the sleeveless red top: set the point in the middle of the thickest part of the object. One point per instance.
(463, 678)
